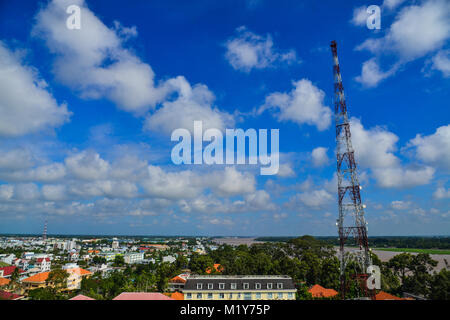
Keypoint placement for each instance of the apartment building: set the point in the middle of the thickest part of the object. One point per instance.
(258, 287)
(133, 257)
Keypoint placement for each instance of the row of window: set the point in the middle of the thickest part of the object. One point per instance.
(247, 295)
(234, 286)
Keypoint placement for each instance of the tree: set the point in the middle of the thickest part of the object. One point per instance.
(57, 279)
(440, 285)
(119, 261)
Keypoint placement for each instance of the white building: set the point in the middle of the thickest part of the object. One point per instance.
(133, 257)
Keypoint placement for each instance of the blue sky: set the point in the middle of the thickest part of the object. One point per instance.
(86, 115)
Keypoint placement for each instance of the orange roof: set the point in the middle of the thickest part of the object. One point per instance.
(386, 296)
(93, 251)
(40, 277)
(177, 296)
(80, 271)
(318, 291)
(178, 279)
(4, 281)
(217, 266)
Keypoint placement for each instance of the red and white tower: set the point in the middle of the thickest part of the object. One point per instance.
(351, 223)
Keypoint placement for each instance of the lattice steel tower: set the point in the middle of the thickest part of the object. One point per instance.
(44, 234)
(351, 223)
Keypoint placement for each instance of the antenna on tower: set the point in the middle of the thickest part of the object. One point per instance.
(44, 234)
(351, 223)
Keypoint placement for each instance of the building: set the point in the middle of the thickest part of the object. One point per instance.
(7, 271)
(386, 296)
(4, 282)
(81, 297)
(177, 283)
(317, 291)
(142, 296)
(43, 264)
(115, 243)
(258, 287)
(4, 295)
(133, 257)
(76, 274)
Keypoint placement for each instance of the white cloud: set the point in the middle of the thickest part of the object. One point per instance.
(441, 62)
(315, 198)
(374, 149)
(94, 61)
(392, 4)
(359, 16)
(304, 104)
(410, 39)
(441, 193)
(249, 50)
(54, 192)
(233, 182)
(26, 191)
(319, 157)
(418, 30)
(26, 105)
(6, 191)
(400, 205)
(371, 74)
(286, 170)
(398, 177)
(193, 103)
(15, 159)
(87, 165)
(435, 148)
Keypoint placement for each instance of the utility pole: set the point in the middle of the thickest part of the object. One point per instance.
(351, 223)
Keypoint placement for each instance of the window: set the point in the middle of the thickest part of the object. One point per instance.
(247, 296)
(269, 286)
(233, 286)
(258, 286)
(221, 295)
(270, 295)
(189, 296)
(246, 286)
(258, 295)
(210, 285)
(231, 296)
(290, 295)
(279, 285)
(221, 285)
(199, 286)
(199, 295)
(280, 295)
(209, 295)
(239, 295)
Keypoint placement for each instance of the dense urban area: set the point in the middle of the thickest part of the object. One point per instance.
(201, 268)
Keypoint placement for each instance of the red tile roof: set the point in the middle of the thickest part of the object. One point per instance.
(386, 296)
(317, 291)
(142, 296)
(9, 296)
(7, 271)
(81, 297)
(42, 259)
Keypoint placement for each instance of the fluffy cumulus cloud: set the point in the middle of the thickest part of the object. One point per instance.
(314, 198)
(26, 105)
(94, 60)
(372, 75)
(359, 17)
(441, 62)
(418, 30)
(374, 149)
(319, 157)
(249, 51)
(441, 193)
(192, 103)
(87, 165)
(434, 149)
(302, 105)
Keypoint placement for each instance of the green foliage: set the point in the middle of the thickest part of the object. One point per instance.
(119, 261)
